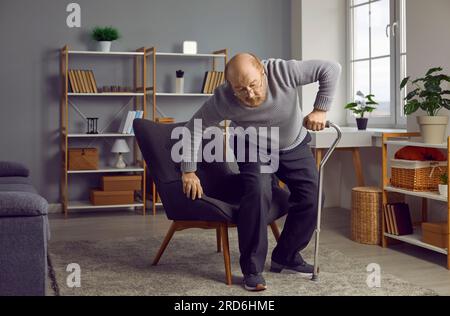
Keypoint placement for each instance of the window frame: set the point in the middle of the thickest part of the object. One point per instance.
(396, 119)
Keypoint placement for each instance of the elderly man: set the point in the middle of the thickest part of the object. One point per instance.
(264, 94)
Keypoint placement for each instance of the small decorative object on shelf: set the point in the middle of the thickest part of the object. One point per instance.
(92, 125)
(428, 95)
(105, 36)
(166, 120)
(179, 82)
(112, 89)
(120, 146)
(189, 47)
(361, 106)
(443, 185)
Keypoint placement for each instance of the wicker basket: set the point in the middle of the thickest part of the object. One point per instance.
(417, 175)
(366, 215)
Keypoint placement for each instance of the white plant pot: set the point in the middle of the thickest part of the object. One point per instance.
(433, 128)
(443, 190)
(104, 46)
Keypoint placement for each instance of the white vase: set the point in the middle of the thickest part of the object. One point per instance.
(179, 85)
(104, 46)
(443, 189)
(433, 128)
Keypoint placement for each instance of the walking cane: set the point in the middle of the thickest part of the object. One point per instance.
(315, 276)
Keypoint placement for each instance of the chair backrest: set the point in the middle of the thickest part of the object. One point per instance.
(155, 143)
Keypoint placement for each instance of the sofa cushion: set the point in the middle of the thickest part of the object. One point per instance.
(22, 204)
(20, 184)
(13, 169)
(15, 180)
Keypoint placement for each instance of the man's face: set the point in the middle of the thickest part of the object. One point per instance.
(249, 85)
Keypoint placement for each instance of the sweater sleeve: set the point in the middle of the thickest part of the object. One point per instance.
(297, 73)
(210, 116)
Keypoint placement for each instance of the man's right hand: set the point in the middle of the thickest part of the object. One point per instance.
(191, 185)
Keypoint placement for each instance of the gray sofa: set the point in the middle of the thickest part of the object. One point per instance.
(24, 232)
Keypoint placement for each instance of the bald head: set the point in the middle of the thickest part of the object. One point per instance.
(240, 63)
(245, 74)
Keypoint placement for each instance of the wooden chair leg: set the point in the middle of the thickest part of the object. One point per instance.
(219, 239)
(166, 241)
(275, 230)
(226, 252)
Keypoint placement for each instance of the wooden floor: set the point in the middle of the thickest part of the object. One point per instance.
(410, 263)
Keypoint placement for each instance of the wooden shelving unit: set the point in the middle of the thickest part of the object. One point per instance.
(140, 102)
(152, 54)
(403, 139)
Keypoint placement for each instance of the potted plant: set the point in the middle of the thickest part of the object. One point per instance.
(104, 36)
(443, 186)
(362, 104)
(428, 95)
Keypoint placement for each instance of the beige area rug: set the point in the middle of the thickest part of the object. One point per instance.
(190, 266)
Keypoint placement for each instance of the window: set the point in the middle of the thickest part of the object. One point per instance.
(377, 62)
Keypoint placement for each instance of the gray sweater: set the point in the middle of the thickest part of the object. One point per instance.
(281, 108)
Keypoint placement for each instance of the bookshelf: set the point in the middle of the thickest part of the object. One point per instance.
(140, 102)
(403, 139)
(152, 56)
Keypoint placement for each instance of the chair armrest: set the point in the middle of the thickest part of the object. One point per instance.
(13, 169)
(179, 207)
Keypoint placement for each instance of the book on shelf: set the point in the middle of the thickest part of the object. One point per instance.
(398, 219)
(212, 80)
(82, 81)
(139, 115)
(126, 126)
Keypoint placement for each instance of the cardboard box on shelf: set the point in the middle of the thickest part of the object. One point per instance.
(111, 197)
(435, 233)
(122, 183)
(83, 158)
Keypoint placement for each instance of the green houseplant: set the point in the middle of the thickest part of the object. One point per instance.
(105, 36)
(443, 186)
(362, 104)
(427, 94)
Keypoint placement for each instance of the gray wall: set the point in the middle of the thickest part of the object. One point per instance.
(427, 24)
(31, 33)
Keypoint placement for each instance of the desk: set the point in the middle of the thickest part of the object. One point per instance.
(352, 140)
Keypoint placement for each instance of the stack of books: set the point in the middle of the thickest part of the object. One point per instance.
(82, 81)
(212, 80)
(398, 219)
(126, 127)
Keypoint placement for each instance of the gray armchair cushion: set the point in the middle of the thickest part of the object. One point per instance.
(13, 169)
(22, 204)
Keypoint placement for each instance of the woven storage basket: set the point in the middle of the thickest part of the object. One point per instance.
(417, 175)
(366, 215)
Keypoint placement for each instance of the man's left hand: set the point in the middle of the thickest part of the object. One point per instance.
(315, 120)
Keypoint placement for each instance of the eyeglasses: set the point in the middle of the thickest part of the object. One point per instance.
(243, 92)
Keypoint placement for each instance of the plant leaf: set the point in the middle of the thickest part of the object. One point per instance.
(404, 82)
(411, 107)
(431, 70)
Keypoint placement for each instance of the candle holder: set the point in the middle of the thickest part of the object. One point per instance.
(92, 125)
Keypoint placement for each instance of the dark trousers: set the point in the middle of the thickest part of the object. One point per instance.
(297, 169)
